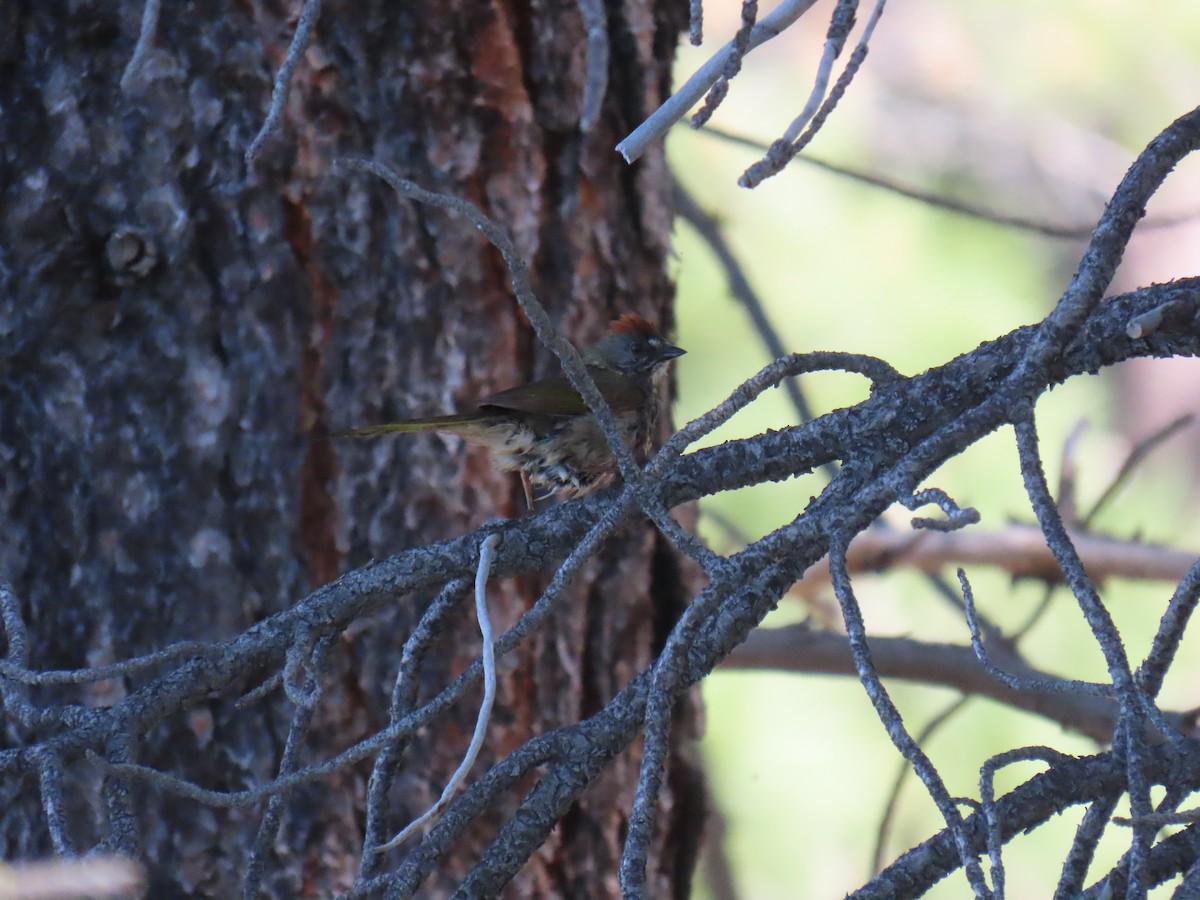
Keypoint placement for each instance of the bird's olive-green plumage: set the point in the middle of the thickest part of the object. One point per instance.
(545, 430)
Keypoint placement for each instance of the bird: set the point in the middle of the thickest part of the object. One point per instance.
(545, 431)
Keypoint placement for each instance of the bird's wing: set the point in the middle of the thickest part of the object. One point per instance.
(555, 397)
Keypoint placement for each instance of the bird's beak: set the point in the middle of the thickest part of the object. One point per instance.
(670, 351)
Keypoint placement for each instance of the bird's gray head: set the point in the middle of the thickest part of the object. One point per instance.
(632, 347)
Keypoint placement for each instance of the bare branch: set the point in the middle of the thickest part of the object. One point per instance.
(677, 105)
(404, 696)
(1131, 724)
(812, 118)
(696, 22)
(50, 783)
(595, 63)
(1170, 631)
(283, 79)
(1134, 459)
(733, 65)
(124, 830)
(902, 771)
(768, 377)
(1072, 782)
(796, 648)
(1112, 233)
(839, 29)
(890, 716)
(943, 202)
(302, 717)
(1013, 681)
(488, 656)
(146, 32)
(987, 802)
(1083, 847)
(956, 517)
(1018, 549)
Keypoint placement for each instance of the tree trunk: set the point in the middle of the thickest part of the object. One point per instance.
(179, 332)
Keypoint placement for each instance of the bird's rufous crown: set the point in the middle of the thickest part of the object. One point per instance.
(632, 323)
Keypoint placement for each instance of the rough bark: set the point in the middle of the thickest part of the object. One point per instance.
(178, 333)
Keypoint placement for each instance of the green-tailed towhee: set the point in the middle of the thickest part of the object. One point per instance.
(544, 429)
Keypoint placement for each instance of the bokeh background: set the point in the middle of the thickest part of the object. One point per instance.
(1028, 108)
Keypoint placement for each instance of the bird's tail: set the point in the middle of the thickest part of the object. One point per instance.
(454, 424)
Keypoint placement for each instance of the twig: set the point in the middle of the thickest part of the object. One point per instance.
(1099, 262)
(474, 800)
(943, 202)
(488, 655)
(987, 798)
(835, 40)
(171, 654)
(299, 684)
(50, 784)
(302, 716)
(668, 679)
(283, 79)
(892, 803)
(404, 695)
(1131, 747)
(1134, 459)
(878, 371)
(812, 119)
(803, 650)
(1161, 820)
(16, 697)
(890, 716)
(1083, 846)
(1170, 632)
(1146, 324)
(595, 62)
(1058, 539)
(956, 517)
(146, 32)
(1020, 550)
(1020, 683)
(677, 105)
(1099, 621)
(733, 65)
(124, 831)
(264, 689)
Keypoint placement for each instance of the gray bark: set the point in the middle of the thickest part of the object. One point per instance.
(179, 332)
